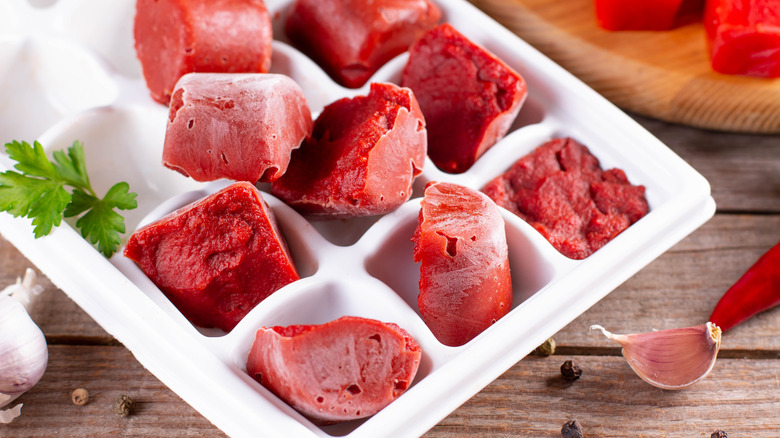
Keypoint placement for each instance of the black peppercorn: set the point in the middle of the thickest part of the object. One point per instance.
(124, 405)
(719, 434)
(571, 370)
(571, 429)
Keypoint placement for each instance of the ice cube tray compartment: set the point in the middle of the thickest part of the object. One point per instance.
(360, 266)
(50, 79)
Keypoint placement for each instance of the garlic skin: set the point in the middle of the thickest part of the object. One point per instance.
(23, 350)
(673, 358)
(8, 415)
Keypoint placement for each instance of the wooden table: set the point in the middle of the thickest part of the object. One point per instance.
(741, 395)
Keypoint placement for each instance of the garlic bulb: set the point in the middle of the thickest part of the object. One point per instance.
(673, 358)
(23, 350)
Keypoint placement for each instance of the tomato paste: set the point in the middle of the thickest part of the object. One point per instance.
(561, 190)
(468, 96)
(460, 243)
(175, 37)
(646, 14)
(239, 126)
(345, 369)
(351, 39)
(744, 36)
(362, 158)
(217, 258)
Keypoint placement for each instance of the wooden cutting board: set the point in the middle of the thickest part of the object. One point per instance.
(665, 75)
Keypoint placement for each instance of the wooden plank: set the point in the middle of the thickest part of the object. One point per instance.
(531, 399)
(106, 372)
(661, 74)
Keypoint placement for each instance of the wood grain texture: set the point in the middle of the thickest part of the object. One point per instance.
(529, 400)
(666, 74)
(532, 400)
(106, 372)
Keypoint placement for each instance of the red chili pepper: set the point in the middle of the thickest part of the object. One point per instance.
(756, 291)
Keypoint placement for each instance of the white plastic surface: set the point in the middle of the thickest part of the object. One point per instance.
(68, 71)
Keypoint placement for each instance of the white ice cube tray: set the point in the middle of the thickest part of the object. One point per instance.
(68, 71)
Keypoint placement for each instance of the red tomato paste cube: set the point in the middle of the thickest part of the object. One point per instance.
(351, 39)
(561, 190)
(744, 36)
(175, 37)
(460, 242)
(239, 126)
(345, 369)
(362, 158)
(217, 258)
(468, 96)
(646, 14)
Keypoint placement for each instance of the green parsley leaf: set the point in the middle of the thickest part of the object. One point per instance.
(39, 199)
(73, 166)
(119, 196)
(81, 201)
(39, 193)
(101, 226)
(31, 160)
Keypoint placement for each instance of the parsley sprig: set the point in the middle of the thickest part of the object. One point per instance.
(38, 191)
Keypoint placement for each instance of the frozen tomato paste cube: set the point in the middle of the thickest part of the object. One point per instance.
(217, 258)
(561, 190)
(236, 126)
(351, 39)
(646, 14)
(468, 96)
(744, 36)
(345, 369)
(362, 158)
(175, 37)
(460, 243)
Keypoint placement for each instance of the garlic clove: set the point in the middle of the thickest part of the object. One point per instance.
(23, 350)
(673, 358)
